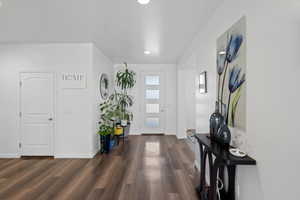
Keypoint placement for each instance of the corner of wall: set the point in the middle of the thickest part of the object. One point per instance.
(100, 64)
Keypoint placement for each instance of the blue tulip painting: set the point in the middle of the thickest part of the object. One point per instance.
(233, 47)
(234, 83)
(231, 74)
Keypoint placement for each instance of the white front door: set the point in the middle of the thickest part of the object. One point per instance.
(37, 112)
(153, 102)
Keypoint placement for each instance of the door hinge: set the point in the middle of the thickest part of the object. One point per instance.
(20, 145)
(20, 114)
(20, 83)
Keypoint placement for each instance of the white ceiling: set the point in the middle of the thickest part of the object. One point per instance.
(122, 29)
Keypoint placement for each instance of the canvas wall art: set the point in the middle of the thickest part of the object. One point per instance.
(231, 75)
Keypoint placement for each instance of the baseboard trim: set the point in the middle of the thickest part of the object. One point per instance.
(181, 137)
(96, 151)
(10, 156)
(134, 134)
(74, 156)
(170, 133)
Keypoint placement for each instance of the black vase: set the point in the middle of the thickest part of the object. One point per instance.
(223, 135)
(105, 143)
(215, 122)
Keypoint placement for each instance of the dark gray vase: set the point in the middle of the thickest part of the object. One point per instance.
(223, 135)
(215, 122)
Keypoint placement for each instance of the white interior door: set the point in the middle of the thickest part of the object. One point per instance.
(153, 102)
(37, 112)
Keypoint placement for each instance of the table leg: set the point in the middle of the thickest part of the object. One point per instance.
(213, 179)
(231, 182)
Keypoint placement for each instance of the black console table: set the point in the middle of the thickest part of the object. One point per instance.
(223, 160)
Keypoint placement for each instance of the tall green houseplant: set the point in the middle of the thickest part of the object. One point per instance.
(115, 110)
(125, 80)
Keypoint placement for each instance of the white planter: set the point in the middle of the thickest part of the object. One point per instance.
(123, 122)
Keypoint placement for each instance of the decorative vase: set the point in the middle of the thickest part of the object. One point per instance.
(215, 122)
(223, 135)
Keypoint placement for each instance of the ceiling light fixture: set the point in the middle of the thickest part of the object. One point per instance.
(222, 52)
(147, 52)
(143, 2)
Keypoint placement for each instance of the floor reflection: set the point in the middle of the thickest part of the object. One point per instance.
(152, 162)
(152, 149)
(153, 175)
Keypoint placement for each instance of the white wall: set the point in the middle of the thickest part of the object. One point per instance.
(101, 64)
(74, 110)
(170, 95)
(186, 89)
(273, 46)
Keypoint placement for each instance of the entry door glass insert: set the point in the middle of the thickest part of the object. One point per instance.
(153, 119)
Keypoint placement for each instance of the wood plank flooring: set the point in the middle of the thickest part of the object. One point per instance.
(145, 168)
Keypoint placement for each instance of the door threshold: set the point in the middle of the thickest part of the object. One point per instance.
(152, 134)
(37, 157)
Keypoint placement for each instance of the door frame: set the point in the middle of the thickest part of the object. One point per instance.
(53, 153)
(163, 101)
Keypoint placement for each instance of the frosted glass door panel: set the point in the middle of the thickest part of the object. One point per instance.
(152, 94)
(152, 122)
(152, 108)
(152, 80)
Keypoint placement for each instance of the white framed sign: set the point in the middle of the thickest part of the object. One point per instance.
(73, 80)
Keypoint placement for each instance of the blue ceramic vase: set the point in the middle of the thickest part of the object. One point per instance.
(223, 135)
(215, 122)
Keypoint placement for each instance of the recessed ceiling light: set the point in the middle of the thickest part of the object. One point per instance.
(143, 2)
(147, 52)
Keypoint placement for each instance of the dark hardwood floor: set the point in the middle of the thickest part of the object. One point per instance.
(145, 168)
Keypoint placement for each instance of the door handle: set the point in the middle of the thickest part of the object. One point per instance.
(50, 119)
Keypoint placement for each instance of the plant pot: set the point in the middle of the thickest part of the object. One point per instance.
(105, 143)
(126, 129)
(119, 130)
(123, 122)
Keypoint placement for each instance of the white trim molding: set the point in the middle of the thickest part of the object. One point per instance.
(10, 155)
(74, 156)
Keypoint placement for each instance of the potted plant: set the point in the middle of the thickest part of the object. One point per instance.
(105, 135)
(115, 110)
(125, 80)
(106, 122)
